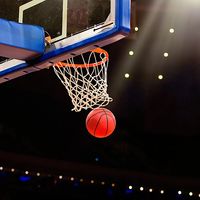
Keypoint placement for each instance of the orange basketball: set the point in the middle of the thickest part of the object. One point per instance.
(100, 122)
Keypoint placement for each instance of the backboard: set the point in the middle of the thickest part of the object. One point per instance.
(75, 26)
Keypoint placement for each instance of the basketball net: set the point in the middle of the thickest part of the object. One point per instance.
(85, 79)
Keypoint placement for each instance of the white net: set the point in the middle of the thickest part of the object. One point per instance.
(85, 82)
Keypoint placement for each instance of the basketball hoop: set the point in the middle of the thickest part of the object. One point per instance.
(85, 78)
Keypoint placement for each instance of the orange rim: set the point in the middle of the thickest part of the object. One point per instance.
(97, 50)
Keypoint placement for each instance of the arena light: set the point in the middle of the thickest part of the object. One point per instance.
(190, 193)
(141, 188)
(160, 77)
(130, 187)
(161, 191)
(12, 170)
(171, 30)
(127, 75)
(179, 192)
(166, 54)
(131, 53)
(38, 174)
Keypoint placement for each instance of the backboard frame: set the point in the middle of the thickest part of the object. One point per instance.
(36, 2)
(116, 27)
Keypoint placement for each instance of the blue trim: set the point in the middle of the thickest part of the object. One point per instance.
(14, 68)
(122, 27)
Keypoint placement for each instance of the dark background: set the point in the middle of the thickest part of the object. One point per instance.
(156, 141)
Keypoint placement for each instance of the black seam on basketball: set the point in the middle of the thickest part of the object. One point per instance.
(92, 116)
(97, 124)
(110, 115)
(107, 122)
(113, 117)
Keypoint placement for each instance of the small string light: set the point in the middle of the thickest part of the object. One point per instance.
(113, 185)
(150, 190)
(127, 75)
(166, 54)
(190, 193)
(38, 174)
(171, 30)
(141, 188)
(97, 159)
(93, 181)
(136, 29)
(131, 53)
(160, 77)
(12, 170)
(130, 187)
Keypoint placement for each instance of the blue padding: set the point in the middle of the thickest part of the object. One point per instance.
(21, 41)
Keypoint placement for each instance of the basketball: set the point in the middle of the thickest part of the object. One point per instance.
(100, 122)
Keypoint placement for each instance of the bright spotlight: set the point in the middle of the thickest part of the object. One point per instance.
(166, 54)
(190, 193)
(131, 53)
(171, 30)
(127, 75)
(130, 187)
(12, 170)
(38, 174)
(141, 188)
